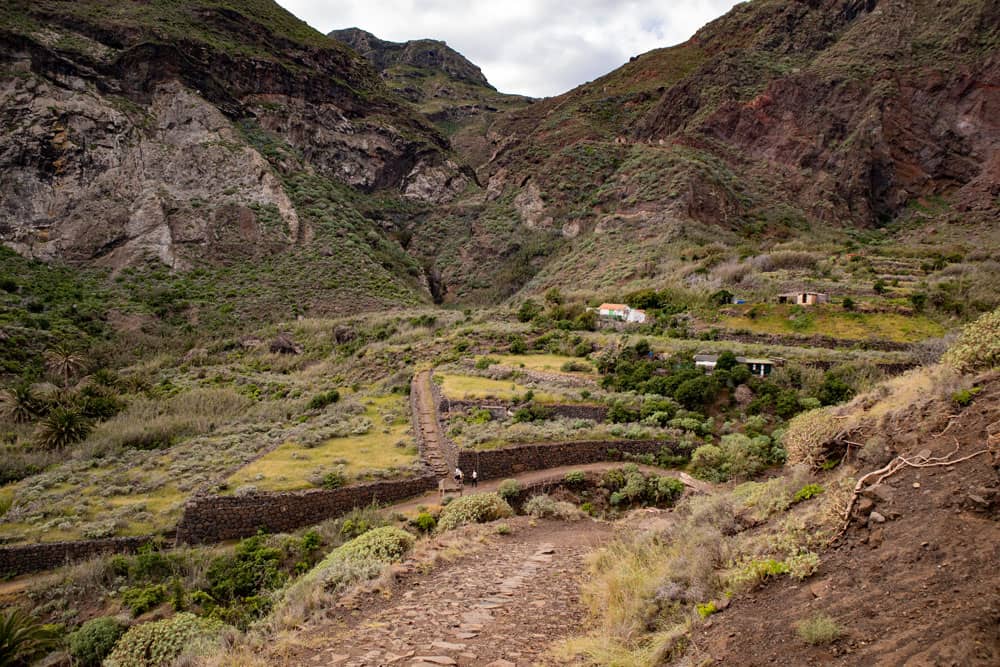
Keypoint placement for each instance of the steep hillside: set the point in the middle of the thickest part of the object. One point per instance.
(226, 136)
(439, 81)
(780, 120)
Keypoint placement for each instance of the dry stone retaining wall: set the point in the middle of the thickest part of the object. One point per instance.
(499, 409)
(218, 518)
(25, 558)
(510, 461)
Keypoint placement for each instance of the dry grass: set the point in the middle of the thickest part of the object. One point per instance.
(547, 363)
(834, 322)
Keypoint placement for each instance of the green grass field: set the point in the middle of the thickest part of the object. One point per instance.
(290, 466)
(837, 323)
(471, 387)
(548, 363)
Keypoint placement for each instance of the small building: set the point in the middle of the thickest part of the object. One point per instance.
(621, 312)
(804, 298)
(759, 366)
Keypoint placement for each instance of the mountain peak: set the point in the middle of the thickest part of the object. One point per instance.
(421, 53)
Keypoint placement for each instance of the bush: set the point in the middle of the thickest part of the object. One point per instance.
(425, 522)
(483, 363)
(161, 642)
(94, 640)
(806, 492)
(576, 367)
(809, 435)
(140, 599)
(508, 489)
(802, 565)
(360, 559)
(477, 508)
(517, 345)
(320, 401)
(706, 609)
(544, 507)
(963, 398)
(575, 477)
(820, 629)
(978, 347)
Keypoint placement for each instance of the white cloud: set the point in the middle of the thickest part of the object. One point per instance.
(533, 47)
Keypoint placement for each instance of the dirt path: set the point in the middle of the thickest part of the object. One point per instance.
(427, 422)
(504, 604)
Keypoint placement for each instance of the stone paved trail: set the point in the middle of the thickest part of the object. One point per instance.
(502, 605)
(427, 422)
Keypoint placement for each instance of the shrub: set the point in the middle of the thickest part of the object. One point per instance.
(508, 489)
(544, 507)
(320, 401)
(485, 362)
(848, 303)
(809, 435)
(978, 347)
(963, 398)
(820, 629)
(386, 544)
(477, 508)
(576, 367)
(575, 477)
(333, 480)
(23, 639)
(425, 522)
(94, 640)
(806, 492)
(517, 345)
(802, 565)
(706, 609)
(707, 463)
(252, 569)
(161, 642)
(140, 599)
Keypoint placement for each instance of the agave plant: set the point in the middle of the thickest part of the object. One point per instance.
(20, 405)
(61, 427)
(22, 639)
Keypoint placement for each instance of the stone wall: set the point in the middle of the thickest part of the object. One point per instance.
(218, 518)
(25, 558)
(500, 409)
(510, 461)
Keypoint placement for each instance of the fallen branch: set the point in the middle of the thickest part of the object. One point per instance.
(895, 466)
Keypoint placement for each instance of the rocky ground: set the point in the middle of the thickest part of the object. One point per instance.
(503, 604)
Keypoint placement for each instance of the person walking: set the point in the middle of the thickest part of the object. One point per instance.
(475, 478)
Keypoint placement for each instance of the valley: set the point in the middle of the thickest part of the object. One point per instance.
(717, 332)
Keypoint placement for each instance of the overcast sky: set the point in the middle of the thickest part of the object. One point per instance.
(532, 47)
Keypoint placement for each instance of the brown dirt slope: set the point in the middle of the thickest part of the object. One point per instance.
(920, 588)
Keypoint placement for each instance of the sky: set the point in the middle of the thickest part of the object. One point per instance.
(531, 47)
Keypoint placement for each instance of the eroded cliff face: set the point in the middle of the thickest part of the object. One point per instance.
(115, 147)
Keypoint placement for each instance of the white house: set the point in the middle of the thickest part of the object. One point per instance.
(621, 312)
(758, 366)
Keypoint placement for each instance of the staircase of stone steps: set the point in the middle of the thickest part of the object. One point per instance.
(426, 426)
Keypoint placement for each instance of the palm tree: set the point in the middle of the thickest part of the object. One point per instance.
(19, 404)
(61, 427)
(64, 363)
(22, 639)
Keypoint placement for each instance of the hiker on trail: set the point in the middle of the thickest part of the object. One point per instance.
(475, 478)
(458, 476)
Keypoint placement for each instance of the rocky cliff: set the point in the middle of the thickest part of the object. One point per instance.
(779, 120)
(176, 130)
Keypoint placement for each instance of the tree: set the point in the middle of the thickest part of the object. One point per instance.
(880, 287)
(919, 300)
(62, 427)
(23, 639)
(726, 361)
(19, 404)
(848, 303)
(64, 363)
